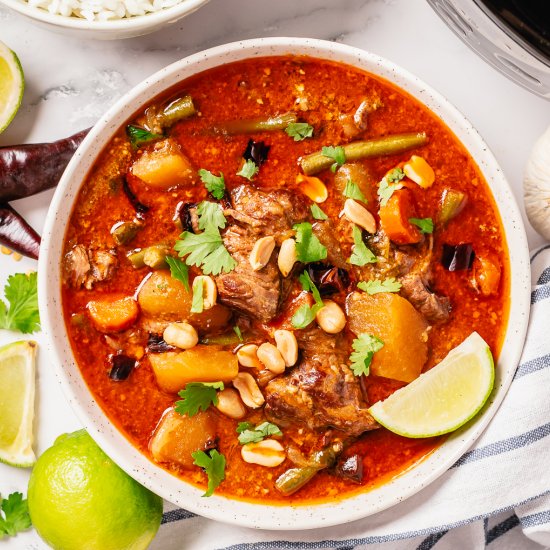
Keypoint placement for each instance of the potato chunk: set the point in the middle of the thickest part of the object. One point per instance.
(113, 313)
(173, 370)
(402, 329)
(177, 436)
(163, 298)
(164, 166)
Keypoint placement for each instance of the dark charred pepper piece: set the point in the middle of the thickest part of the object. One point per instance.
(157, 344)
(122, 367)
(350, 467)
(28, 169)
(256, 151)
(327, 278)
(457, 257)
(17, 234)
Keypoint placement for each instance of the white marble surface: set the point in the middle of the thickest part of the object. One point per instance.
(70, 83)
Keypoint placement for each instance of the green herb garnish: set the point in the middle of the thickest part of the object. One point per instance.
(364, 346)
(305, 314)
(214, 184)
(308, 246)
(390, 184)
(375, 286)
(426, 225)
(198, 395)
(259, 433)
(299, 130)
(179, 270)
(361, 254)
(352, 191)
(248, 170)
(317, 213)
(14, 516)
(139, 136)
(237, 331)
(210, 215)
(214, 467)
(337, 154)
(197, 303)
(22, 295)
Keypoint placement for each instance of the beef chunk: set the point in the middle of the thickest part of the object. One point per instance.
(82, 267)
(415, 288)
(321, 392)
(255, 214)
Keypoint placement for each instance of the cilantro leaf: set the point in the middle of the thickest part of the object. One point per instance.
(426, 225)
(317, 213)
(214, 467)
(22, 295)
(361, 254)
(305, 314)
(352, 191)
(374, 286)
(248, 170)
(237, 331)
(179, 270)
(299, 130)
(210, 215)
(205, 250)
(198, 395)
(364, 346)
(214, 184)
(308, 246)
(197, 303)
(390, 184)
(337, 154)
(14, 516)
(138, 136)
(249, 434)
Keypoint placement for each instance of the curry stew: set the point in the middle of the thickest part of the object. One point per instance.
(263, 253)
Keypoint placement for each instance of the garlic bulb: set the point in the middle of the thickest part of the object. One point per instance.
(536, 186)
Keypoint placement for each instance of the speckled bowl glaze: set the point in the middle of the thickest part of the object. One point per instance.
(118, 447)
(127, 27)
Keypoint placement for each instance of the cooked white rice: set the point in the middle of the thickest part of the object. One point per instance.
(102, 10)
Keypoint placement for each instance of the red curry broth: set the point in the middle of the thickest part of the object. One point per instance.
(252, 89)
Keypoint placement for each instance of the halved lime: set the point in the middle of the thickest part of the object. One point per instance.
(17, 373)
(12, 84)
(443, 398)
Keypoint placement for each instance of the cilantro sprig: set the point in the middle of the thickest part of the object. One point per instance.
(250, 434)
(305, 314)
(426, 225)
(364, 346)
(179, 270)
(299, 130)
(210, 215)
(308, 247)
(139, 136)
(14, 515)
(352, 191)
(214, 184)
(197, 302)
(337, 154)
(317, 213)
(237, 331)
(22, 296)
(248, 170)
(213, 465)
(389, 185)
(375, 286)
(198, 396)
(362, 254)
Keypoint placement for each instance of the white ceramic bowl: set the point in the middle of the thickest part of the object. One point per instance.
(116, 445)
(105, 30)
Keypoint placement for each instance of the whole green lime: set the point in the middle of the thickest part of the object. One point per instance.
(80, 499)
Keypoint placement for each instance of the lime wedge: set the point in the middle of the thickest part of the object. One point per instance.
(443, 398)
(12, 84)
(17, 403)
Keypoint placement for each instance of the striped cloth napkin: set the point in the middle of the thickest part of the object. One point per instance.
(497, 493)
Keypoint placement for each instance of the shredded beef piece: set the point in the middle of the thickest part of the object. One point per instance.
(83, 267)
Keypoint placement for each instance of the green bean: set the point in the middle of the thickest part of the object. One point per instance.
(153, 256)
(124, 232)
(357, 150)
(229, 339)
(250, 126)
(452, 203)
(177, 110)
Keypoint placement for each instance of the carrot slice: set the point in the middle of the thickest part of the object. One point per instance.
(394, 218)
(113, 314)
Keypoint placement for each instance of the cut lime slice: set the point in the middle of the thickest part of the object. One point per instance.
(12, 84)
(443, 398)
(17, 373)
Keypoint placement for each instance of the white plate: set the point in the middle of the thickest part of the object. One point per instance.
(118, 447)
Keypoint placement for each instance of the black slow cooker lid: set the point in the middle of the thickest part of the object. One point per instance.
(528, 20)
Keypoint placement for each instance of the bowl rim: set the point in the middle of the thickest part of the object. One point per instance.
(114, 443)
(136, 22)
